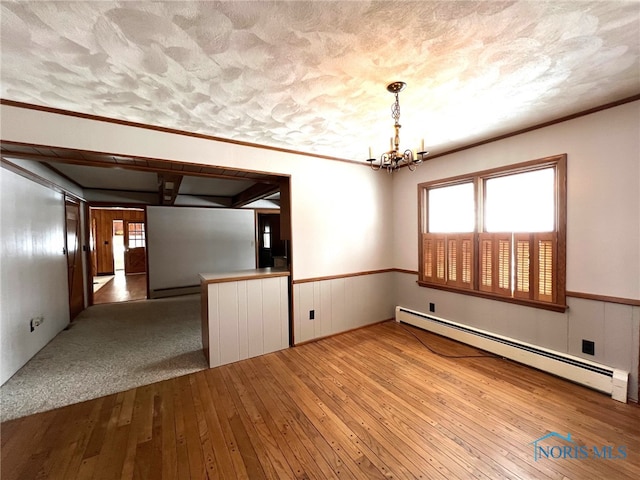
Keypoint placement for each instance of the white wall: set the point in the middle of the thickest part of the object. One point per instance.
(33, 269)
(342, 304)
(340, 211)
(603, 237)
(184, 242)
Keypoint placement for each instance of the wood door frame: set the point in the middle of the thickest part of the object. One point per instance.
(257, 213)
(121, 205)
(80, 250)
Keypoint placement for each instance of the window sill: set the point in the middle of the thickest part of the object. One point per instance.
(518, 301)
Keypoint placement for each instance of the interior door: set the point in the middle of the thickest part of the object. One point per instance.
(74, 259)
(135, 255)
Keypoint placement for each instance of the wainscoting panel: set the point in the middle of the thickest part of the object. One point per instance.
(341, 304)
(247, 319)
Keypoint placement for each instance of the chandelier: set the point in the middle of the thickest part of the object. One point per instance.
(395, 158)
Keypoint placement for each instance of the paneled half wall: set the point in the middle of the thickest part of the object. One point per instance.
(326, 306)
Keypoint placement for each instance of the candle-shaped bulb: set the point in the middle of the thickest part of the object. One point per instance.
(370, 153)
(422, 145)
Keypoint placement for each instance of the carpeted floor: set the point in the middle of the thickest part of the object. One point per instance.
(109, 348)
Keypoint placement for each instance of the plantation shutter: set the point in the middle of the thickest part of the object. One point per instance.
(523, 271)
(486, 262)
(503, 264)
(544, 254)
(452, 260)
(427, 258)
(434, 258)
(495, 263)
(460, 260)
(440, 259)
(466, 261)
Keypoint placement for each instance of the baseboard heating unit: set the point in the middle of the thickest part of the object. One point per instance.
(594, 375)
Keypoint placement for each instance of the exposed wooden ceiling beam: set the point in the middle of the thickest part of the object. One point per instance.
(168, 185)
(143, 164)
(255, 192)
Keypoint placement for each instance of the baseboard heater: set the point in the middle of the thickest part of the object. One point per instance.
(174, 292)
(594, 375)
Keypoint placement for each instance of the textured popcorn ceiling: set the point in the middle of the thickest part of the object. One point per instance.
(312, 76)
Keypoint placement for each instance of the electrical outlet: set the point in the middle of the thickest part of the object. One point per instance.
(588, 347)
(312, 314)
(35, 322)
(432, 307)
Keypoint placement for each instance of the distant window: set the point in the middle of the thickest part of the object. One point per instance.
(266, 236)
(499, 233)
(136, 234)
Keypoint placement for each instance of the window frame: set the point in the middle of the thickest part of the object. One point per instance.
(556, 299)
(138, 236)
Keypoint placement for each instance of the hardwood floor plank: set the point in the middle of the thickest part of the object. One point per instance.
(370, 399)
(169, 442)
(192, 433)
(291, 425)
(219, 465)
(237, 444)
(288, 442)
(122, 288)
(96, 440)
(340, 437)
(181, 446)
(373, 403)
(302, 421)
(261, 439)
(413, 407)
(86, 422)
(371, 435)
(20, 436)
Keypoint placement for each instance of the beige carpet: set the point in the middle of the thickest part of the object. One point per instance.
(109, 348)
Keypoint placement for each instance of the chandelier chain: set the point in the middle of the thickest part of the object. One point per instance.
(395, 109)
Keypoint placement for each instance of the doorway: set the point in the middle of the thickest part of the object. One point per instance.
(118, 253)
(272, 249)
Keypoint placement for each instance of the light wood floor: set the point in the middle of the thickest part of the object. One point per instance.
(373, 403)
(122, 288)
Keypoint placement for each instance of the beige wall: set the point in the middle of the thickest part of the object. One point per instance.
(603, 214)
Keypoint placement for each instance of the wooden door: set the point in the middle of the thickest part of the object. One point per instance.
(74, 259)
(135, 255)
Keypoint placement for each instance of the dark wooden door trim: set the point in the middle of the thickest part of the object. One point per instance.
(73, 250)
